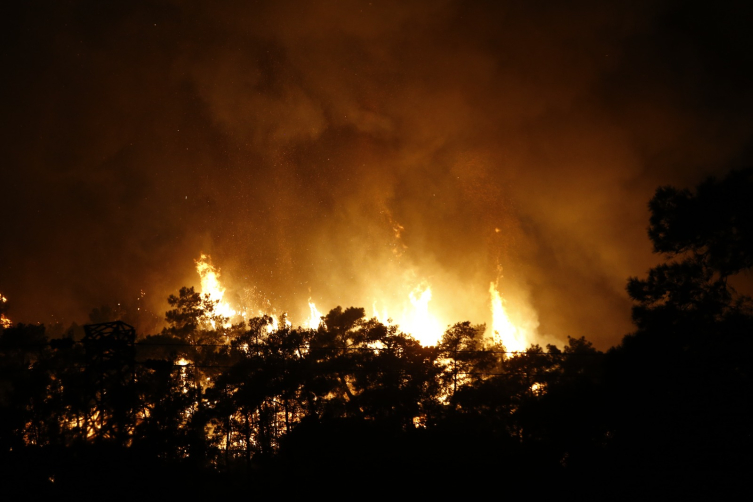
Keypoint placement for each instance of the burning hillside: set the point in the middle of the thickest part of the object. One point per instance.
(415, 314)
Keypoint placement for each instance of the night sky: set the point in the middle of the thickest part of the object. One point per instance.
(348, 150)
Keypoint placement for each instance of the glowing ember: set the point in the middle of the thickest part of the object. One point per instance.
(512, 338)
(183, 363)
(4, 321)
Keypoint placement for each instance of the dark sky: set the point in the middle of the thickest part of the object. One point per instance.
(348, 150)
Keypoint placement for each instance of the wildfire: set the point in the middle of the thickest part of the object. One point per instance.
(415, 317)
(278, 323)
(513, 339)
(421, 323)
(210, 285)
(417, 320)
(315, 318)
(382, 316)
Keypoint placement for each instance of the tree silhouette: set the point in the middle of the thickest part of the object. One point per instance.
(23, 387)
(681, 385)
(711, 224)
(262, 403)
(708, 236)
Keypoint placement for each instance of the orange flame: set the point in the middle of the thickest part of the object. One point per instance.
(417, 321)
(415, 317)
(504, 331)
(315, 318)
(4, 321)
(210, 285)
(421, 323)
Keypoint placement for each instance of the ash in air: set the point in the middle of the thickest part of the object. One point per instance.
(358, 153)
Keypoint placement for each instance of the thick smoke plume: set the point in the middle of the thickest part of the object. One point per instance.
(349, 150)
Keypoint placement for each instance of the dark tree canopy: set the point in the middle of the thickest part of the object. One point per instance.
(711, 224)
(681, 385)
(707, 235)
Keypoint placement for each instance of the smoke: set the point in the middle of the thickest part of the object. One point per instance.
(348, 151)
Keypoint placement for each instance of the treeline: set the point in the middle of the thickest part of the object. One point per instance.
(354, 393)
(355, 404)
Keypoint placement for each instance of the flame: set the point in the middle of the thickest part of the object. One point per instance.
(210, 285)
(276, 323)
(421, 323)
(416, 321)
(315, 318)
(183, 363)
(382, 317)
(4, 321)
(505, 332)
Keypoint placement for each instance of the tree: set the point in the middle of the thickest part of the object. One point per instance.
(193, 318)
(682, 384)
(712, 224)
(24, 382)
(707, 236)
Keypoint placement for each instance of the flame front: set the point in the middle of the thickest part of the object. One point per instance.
(505, 332)
(413, 315)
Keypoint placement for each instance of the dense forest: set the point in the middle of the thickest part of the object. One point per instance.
(208, 408)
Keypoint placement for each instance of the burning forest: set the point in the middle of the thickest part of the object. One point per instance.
(257, 247)
(230, 397)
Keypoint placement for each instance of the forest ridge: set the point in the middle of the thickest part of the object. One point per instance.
(666, 411)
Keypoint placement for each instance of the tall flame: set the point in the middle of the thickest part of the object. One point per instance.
(420, 322)
(417, 320)
(315, 318)
(513, 339)
(210, 285)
